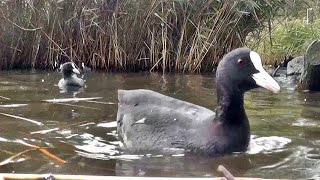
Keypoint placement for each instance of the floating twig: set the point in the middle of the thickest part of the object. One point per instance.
(79, 106)
(42, 150)
(3, 97)
(8, 160)
(12, 105)
(99, 102)
(44, 131)
(70, 100)
(226, 173)
(22, 118)
(56, 129)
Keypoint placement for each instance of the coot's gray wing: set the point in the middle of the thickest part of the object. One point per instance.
(71, 81)
(148, 120)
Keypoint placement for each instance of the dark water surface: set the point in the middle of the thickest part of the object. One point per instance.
(285, 128)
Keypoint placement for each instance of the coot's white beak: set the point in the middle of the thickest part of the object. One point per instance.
(262, 78)
(74, 69)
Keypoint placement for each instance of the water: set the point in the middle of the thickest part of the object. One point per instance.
(285, 128)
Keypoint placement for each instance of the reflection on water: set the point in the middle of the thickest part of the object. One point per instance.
(81, 128)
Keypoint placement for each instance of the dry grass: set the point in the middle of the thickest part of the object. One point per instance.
(125, 35)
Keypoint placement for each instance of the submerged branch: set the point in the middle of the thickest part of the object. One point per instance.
(10, 159)
(43, 151)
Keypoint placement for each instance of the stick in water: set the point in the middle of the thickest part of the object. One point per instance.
(226, 173)
(22, 118)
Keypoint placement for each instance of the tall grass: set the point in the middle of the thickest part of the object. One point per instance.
(127, 35)
(287, 35)
(289, 39)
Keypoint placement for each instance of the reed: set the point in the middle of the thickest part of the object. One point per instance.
(127, 35)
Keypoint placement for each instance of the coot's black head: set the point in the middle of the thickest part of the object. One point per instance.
(242, 69)
(68, 69)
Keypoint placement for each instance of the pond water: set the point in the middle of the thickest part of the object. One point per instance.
(285, 128)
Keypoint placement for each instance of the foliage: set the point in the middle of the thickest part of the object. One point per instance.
(286, 34)
(128, 35)
(291, 39)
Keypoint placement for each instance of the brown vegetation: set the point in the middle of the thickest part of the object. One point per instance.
(126, 35)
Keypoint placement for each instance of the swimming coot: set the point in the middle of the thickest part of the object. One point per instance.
(70, 79)
(85, 69)
(149, 122)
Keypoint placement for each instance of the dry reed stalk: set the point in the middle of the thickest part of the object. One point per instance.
(179, 55)
(166, 36)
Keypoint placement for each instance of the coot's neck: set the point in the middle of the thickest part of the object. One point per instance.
(231, 116)
(67, 75)
(230, 108)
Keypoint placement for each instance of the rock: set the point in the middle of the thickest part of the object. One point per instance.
(295, 66)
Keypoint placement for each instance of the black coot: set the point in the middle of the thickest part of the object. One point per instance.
(149, 122)
(70, 79)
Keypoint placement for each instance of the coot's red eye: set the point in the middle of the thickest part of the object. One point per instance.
(240, 61)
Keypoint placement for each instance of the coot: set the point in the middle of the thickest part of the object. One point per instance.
(149, 122)
(70, 78)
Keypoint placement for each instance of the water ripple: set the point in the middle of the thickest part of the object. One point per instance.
(267, 145)
(95, 147)
(302, 122)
